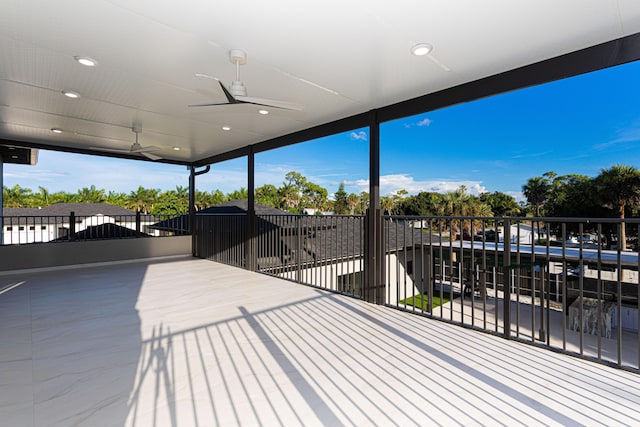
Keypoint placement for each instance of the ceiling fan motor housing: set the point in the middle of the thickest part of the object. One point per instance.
(237, 88)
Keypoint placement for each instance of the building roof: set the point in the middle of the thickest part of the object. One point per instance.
(64, 209)
(240, 206)
(104, 231)
(180, 224)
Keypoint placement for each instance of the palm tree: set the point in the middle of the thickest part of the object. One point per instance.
(537, 190)
(90, 195)
(386, 204)
(143, 199)
(15, 197)
(453, 205)
(41, 198)
(619, 186)
(353, 200)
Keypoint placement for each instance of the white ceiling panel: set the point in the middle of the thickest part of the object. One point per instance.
(336, 58)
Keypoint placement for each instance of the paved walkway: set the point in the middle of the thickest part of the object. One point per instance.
(192, 342)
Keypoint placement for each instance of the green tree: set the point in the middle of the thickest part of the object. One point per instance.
(62, 197)
(423, 204)
(142, 199)
(171, 203)
(501, 204)
(386, 204)
(619, 187)
(363, 205)
(41, 199)
(116, 199)
(314, 196)
(536, 190)
(340, 205)
(15, 197)
(353, 200)
(268, 195)
(90, 195)
(240, 194)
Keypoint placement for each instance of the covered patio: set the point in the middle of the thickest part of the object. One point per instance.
(179, 341)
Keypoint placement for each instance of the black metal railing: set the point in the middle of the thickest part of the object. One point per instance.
(221, 238)
(563, 283)
(325, 252)
(19, 230)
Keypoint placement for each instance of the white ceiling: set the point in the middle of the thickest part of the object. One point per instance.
(337, 58)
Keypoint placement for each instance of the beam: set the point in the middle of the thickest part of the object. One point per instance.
(604, 55)
(598, 57)
(327, 129)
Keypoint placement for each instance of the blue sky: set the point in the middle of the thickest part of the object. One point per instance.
(579, 125)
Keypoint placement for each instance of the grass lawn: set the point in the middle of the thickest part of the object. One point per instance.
(421, 301)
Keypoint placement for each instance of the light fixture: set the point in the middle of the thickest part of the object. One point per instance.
(421, 49)
(86, 61)
(263, 112)
(56, 130)
(226, 128)
(71, 94)
(176, 148)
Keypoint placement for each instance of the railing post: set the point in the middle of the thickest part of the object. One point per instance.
(72, 226)
(374, 257)
(506, 287)
(138, 223)
(298, 249)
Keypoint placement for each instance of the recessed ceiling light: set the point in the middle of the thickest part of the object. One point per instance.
(56, 130)
(226, 128)
(421, 49)
(263, 112)
(176, 148)
(71, 94)
(86, 61)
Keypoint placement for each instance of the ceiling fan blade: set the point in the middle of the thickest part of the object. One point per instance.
(145, 149)
(150, 155)
(270, 103)
(208, 104)
(230, 97)
(112, 150)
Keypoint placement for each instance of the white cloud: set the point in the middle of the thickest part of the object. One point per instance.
(359, 136)
(516, 195)
(420, 123)
(389, 184)
(67, 172)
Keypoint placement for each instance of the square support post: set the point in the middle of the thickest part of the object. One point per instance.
(374, 223)
(1, 202)
(249, 244)
(192, 209)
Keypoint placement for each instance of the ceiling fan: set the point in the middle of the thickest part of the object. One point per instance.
(237, 92)
(136, 148)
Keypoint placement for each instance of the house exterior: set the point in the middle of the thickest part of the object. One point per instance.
(39, 225)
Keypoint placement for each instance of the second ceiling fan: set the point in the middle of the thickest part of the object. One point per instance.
(237, 92)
